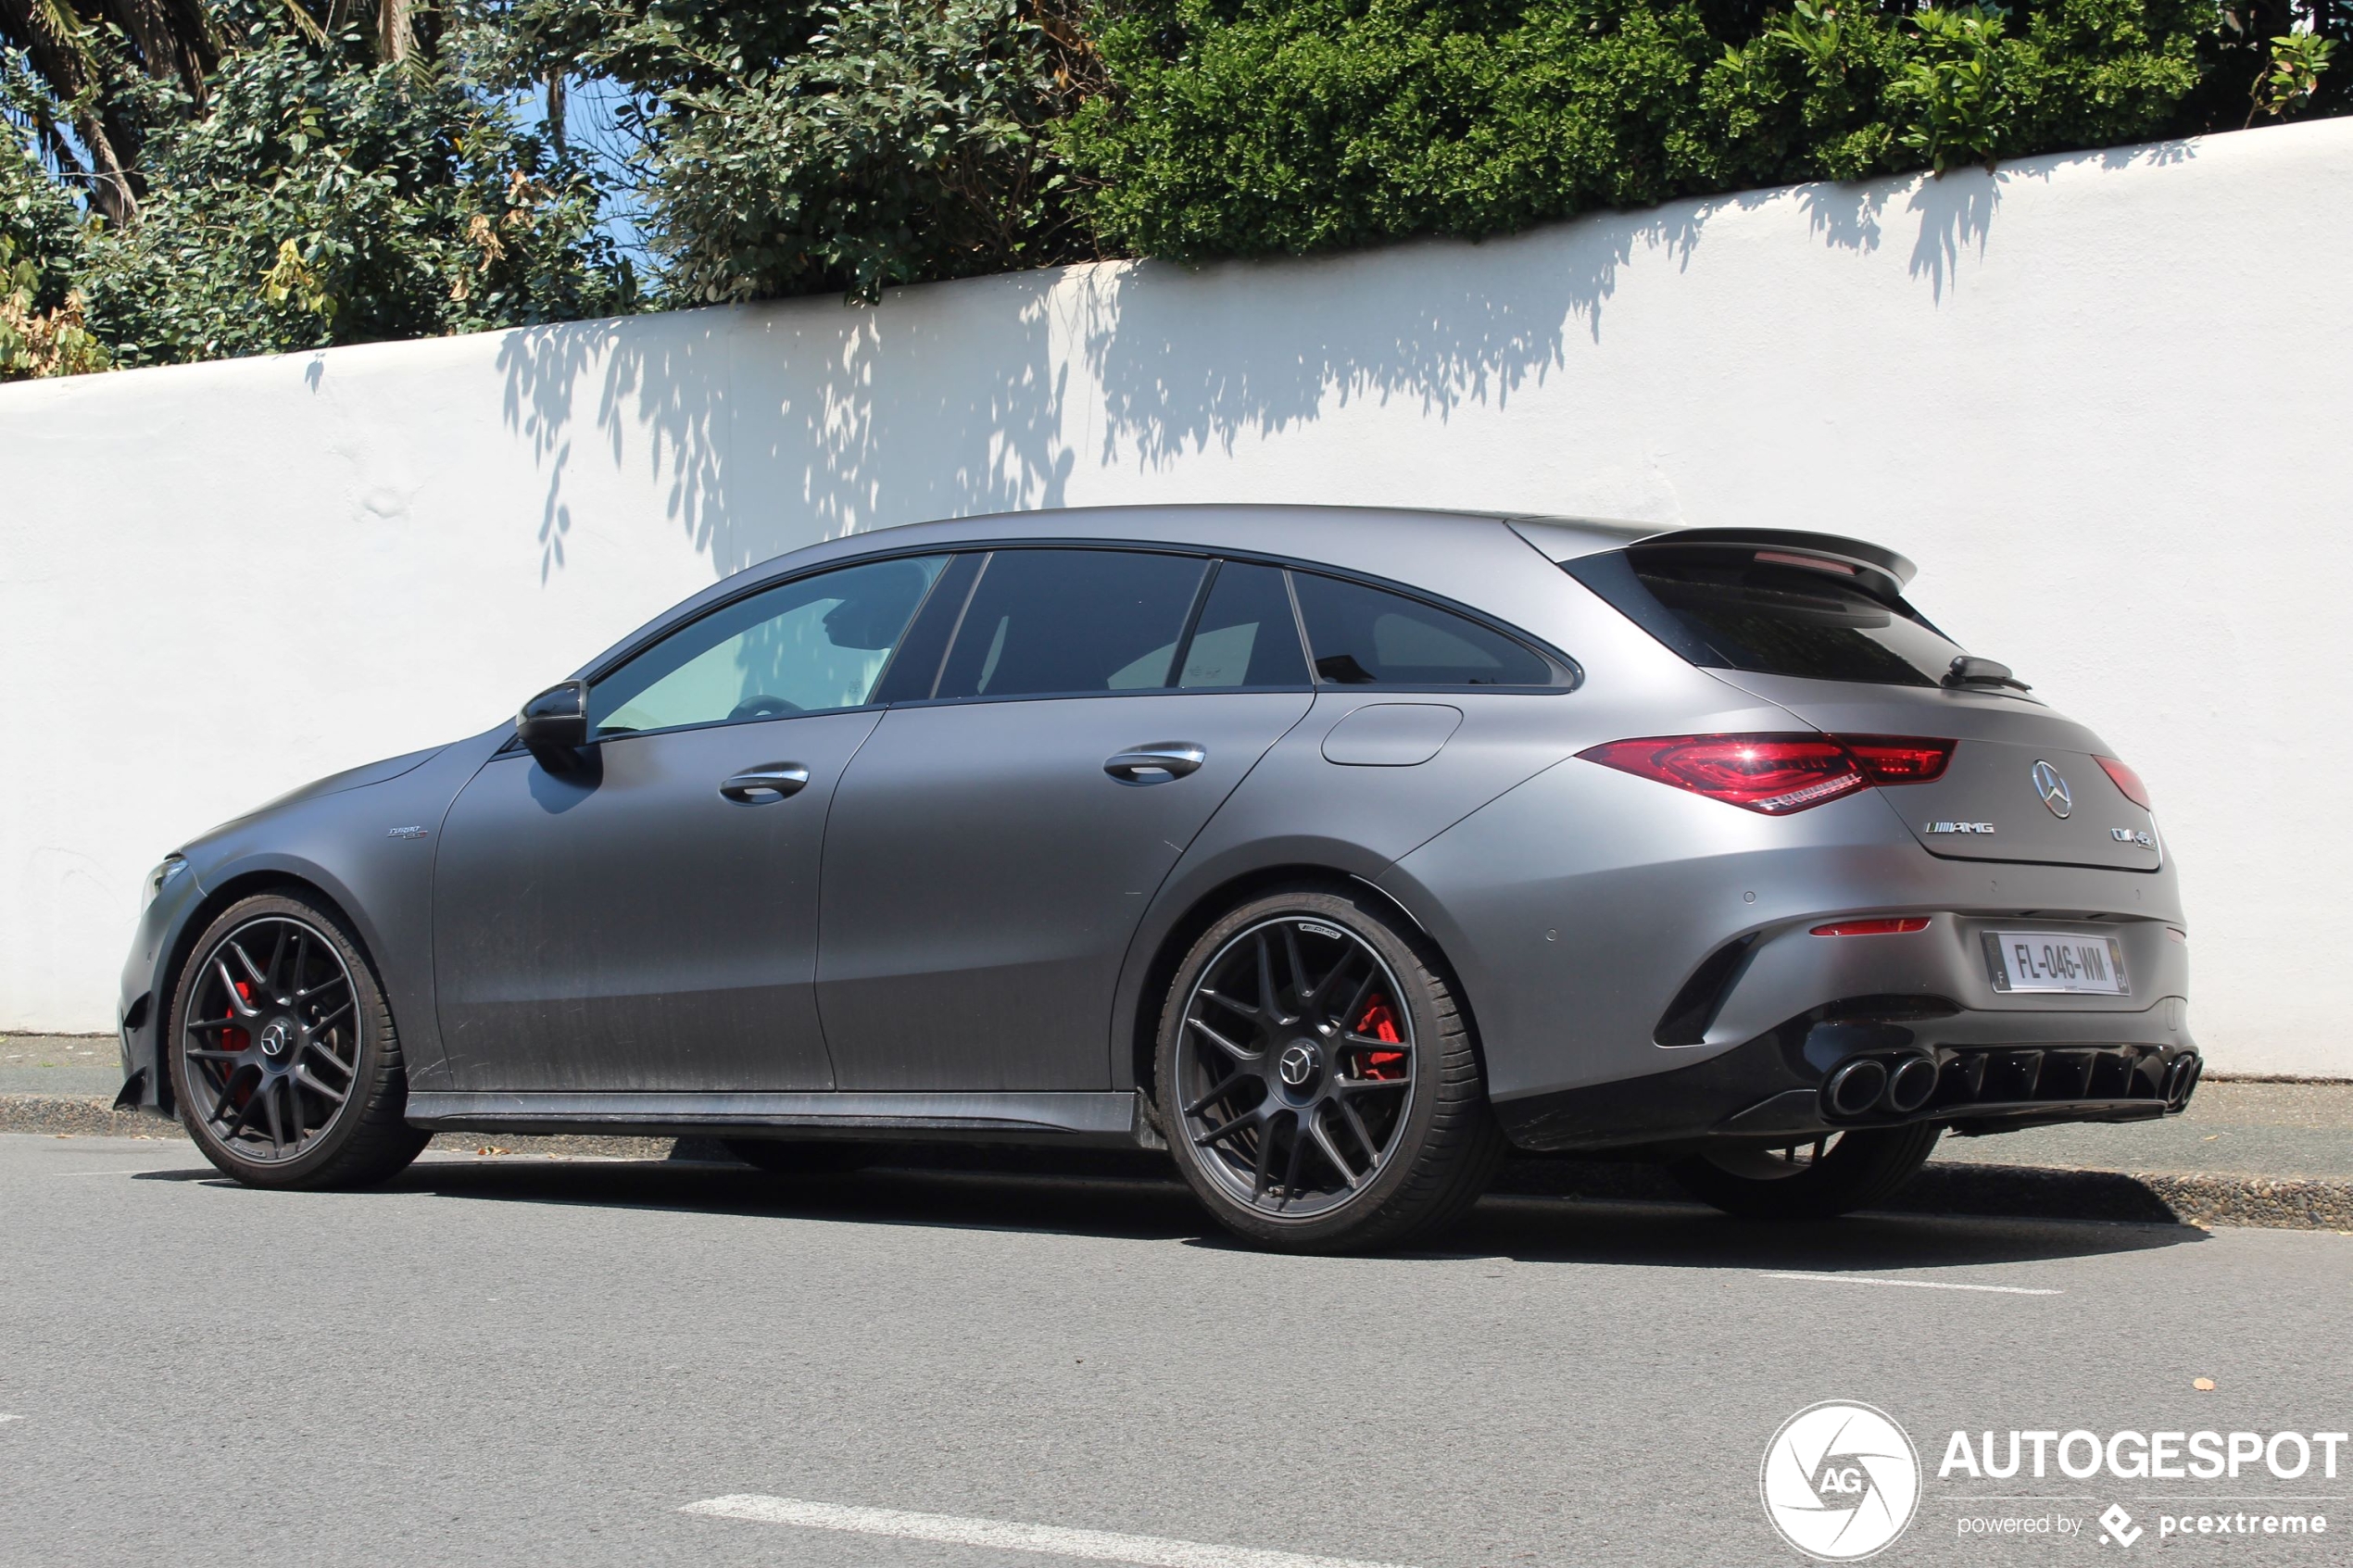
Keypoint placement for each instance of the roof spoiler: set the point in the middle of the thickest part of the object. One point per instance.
(1876, 569)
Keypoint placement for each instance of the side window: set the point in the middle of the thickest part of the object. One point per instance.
(808, 646)
(1064, 623)
(1247, 635)
(1366, 636)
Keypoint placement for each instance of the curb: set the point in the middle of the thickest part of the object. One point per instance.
(2019, 1192)
(1943, 1188)
(64, 1118)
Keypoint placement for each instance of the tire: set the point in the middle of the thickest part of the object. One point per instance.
(800, 1156)
(1282, 1163)
(1854, 1171)
(256, 1079)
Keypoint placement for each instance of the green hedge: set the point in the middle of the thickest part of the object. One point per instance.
(306, 173)
(1301, 125)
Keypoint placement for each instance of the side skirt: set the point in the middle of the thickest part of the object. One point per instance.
(1113, 1120)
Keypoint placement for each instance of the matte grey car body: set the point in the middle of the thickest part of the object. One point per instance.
(957, 923)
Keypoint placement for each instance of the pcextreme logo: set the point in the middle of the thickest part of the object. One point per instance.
(1840, 1481)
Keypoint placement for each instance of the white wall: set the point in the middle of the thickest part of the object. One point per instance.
(2102, 398)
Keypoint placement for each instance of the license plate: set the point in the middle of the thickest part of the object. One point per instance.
(2056, 961)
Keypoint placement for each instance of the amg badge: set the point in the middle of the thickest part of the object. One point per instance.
(1956, 827)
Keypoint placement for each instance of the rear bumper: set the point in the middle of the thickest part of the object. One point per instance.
(1993, 1072)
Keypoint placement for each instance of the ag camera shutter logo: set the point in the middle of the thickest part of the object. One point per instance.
(1840, 1481)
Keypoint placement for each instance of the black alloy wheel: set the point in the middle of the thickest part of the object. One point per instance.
(1317, 1081)
(284, 1059)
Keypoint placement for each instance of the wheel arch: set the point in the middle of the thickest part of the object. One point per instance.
(1137, 1041)
(246, 884)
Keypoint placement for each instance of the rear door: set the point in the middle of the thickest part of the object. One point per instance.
(998, 838)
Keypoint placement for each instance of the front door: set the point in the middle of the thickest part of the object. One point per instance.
(649, 921)
(994, 845)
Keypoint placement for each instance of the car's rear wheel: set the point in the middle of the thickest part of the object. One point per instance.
(1317, 1080)
(1814, 1179)
(799, 1157)
(285, 1061)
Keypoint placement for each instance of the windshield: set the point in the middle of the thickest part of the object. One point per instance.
(1728, 609)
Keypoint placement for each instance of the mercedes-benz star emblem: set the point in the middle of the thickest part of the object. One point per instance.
(2053, 789)
(274, 1037)
(1298, 1064)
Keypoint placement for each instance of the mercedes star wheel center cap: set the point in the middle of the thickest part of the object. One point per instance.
(275, 1038)
(1298, 1064)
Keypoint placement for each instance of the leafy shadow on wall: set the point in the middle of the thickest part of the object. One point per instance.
(1953, 212)
(1180, 375)
(767, 428)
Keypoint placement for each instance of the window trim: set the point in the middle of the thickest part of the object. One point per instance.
(646, 645)
(1571, 674)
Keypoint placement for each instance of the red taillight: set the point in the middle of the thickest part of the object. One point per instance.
(1776, 774)
(2126, 780)
(1768, 773)
(1894, 760)
(1902, 926)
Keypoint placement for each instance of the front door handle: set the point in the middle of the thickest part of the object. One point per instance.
(1156, 763)
(770, 781)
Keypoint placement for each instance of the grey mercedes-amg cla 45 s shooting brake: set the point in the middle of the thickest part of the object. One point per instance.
(1336, 851)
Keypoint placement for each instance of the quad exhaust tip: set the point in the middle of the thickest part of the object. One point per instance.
(1868, 1084)
(1854, 1087)
(1911, 1085)
(2180, 1079)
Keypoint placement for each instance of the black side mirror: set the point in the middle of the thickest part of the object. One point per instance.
(554, 726)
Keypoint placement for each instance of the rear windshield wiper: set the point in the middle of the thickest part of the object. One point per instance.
(1971, 670)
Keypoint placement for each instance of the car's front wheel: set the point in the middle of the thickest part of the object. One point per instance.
(1816, 1180)
(1317, 1080)
(285, 1061)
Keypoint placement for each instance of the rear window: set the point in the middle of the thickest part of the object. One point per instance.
(1727, 610)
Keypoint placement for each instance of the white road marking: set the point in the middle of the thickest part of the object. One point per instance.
(1921, 1285)
(11, 1418)
(143, 1170)
(1097, 1546)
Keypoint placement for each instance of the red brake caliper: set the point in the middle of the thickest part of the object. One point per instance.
(241, 1041)
(1382, 1025)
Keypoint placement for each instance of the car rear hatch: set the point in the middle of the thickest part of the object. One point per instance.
(1818, 625)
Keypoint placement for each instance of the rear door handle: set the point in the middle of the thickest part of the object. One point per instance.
(1156, 763)
(770, 781)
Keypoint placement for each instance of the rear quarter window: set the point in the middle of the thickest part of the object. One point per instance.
(1362, 637)
(1724, 609)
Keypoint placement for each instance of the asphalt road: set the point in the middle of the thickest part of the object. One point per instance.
(507, 1362)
